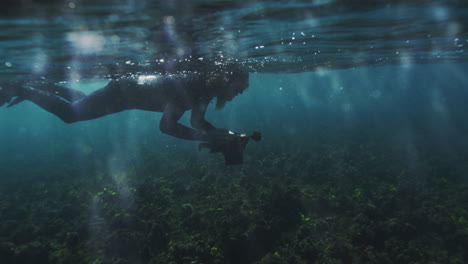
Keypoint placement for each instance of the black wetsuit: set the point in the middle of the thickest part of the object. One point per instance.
(150, 93)
(171, 94)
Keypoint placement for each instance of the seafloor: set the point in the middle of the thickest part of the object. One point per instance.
(348, 200)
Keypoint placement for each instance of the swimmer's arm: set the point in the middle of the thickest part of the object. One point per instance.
(169, 124)
(197, 119)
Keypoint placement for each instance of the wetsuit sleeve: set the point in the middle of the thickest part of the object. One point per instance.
(197, 119)
(169, 124)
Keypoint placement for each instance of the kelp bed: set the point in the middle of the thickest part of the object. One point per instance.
(346, 202)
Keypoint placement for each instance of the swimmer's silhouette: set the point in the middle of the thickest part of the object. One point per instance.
(171, 94)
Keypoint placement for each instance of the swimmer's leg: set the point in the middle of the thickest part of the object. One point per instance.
(66, 93)
(107, 100)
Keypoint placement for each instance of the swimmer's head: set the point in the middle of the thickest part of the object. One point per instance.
(228, 84)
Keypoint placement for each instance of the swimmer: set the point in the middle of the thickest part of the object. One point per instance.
(171, 94)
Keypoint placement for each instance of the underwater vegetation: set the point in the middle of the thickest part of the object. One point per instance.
(349, 201)
(363, 157)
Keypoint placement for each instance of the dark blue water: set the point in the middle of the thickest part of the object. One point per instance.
(361, 104)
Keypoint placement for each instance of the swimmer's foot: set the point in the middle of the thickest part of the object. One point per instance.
(15, 101)
(9, 90)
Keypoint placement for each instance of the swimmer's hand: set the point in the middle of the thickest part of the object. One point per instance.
(231, 144)
(217, 138)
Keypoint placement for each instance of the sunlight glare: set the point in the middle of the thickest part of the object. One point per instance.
(86, 42)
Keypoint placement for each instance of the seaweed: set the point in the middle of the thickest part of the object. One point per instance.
(341, 203)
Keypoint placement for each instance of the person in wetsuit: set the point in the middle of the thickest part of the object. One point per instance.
(171, 94)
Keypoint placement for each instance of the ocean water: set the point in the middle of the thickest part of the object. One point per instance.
(361, 105)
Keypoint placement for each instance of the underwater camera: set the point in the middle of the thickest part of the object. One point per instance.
(231, 144)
